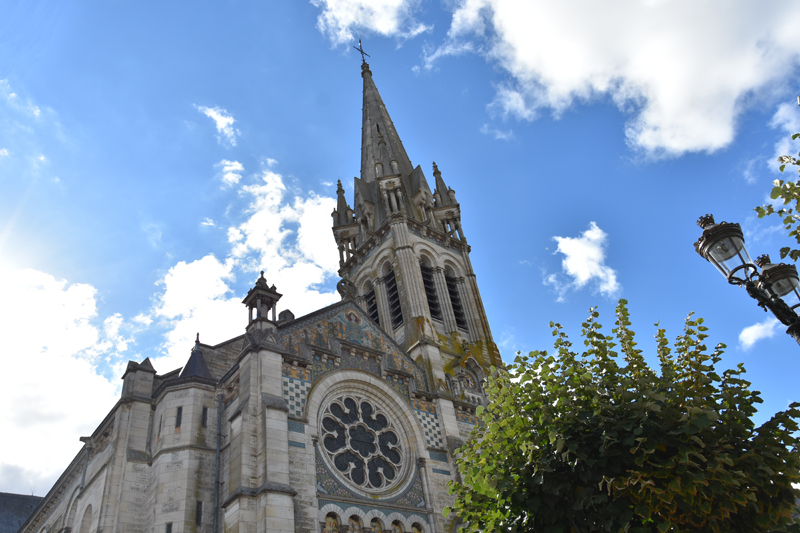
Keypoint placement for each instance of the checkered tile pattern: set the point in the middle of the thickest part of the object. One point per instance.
(431, 428)
(295, 392)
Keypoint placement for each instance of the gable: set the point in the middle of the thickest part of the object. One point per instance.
(347, 323)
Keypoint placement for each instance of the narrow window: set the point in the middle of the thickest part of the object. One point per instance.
(395, 310)
(455, 301)
(179, 417)
(430, 292)
(160, 425)
(204, 422)
(169, 528)
(372, 306)
(198, 515)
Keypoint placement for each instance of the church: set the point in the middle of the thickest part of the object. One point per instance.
(345, 419)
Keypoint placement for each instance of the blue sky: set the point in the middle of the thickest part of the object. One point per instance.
(154, 157)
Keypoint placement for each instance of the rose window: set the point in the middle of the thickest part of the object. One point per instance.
(361, 443)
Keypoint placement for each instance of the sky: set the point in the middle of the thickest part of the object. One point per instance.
(154, 157)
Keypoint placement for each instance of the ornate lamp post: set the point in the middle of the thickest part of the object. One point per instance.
(723, 246)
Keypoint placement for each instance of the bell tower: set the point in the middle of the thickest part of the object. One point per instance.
(405, 251)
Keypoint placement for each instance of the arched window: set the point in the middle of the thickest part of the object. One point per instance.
(372, 303)
(397, 527)
(355, 524)
(395, 167)
(378, 170)
(375, 526)
(416, 528)
(430, 288)
(86, 523)
(331, 523)
(393, 297)
(455, 299)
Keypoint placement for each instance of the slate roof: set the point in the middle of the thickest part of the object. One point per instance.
(15, 510)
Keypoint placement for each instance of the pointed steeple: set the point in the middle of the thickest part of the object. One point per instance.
(382, 152)
(342, 215)
(196, 365)
(443, 195)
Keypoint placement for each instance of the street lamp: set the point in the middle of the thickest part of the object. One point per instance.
(723, 246)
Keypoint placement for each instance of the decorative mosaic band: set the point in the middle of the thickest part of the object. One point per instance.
(296, 444)
(443, 472)
(438, 456)
(463, 416)
(297, 427)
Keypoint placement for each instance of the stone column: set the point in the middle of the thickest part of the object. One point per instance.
(426, 491)
(410, 276)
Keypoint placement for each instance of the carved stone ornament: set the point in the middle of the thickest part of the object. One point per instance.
(347, 289)
(361, 443)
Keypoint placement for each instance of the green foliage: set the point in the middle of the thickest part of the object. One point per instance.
(599, 441)
(789, 193)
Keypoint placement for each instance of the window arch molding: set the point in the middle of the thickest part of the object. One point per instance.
(425, 249)
(452, 269)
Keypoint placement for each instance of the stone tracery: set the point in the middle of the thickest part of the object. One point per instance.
(362, 443)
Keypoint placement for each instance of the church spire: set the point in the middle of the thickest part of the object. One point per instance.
(342, 215)
(382, 152)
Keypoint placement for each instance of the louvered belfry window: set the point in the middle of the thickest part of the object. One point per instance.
(455, 301)
(430, 291)
(392, 295)
(372, 306)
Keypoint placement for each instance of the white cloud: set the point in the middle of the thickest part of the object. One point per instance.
(53, 341)
(207, 222)
(341, 20)
(224, 122)
(296, 260)
(763, 330)
(584, 262)
(196, 298)
(229, 171)
(682, 70)
(4, 152)
(787, 120)
(497, 134)
(280, 236)
(15, 101)
(270, 162)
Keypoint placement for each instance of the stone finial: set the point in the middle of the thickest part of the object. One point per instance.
(436, 169)
(762, 260)
(346, 289)
(197, 341)
(705, 220)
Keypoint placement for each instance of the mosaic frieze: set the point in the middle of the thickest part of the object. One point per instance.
(438, 456)
(469, 418)
(350, 326)
(297, 427)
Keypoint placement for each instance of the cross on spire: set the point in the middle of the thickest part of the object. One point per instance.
(361, 50)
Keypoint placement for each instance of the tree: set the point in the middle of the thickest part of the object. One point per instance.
(599, 441)
(789, 193)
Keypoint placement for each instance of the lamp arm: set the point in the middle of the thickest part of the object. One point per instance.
(768, 300)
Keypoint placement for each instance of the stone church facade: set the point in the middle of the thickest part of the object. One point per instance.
(345, 419)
